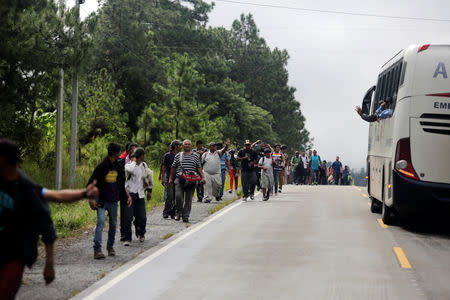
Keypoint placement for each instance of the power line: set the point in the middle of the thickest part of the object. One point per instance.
(333, 11)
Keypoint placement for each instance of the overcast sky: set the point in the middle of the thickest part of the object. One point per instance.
(335, 58)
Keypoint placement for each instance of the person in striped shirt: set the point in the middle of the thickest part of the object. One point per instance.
(189, 163)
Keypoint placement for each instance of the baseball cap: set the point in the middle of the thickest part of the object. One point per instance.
(175, 143)
(247, 142)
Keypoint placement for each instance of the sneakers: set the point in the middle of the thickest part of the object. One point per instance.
(252, 197)
(126, 243)
(186, 220)
(244, 199)
(199, 199)
(111, 252)
(207, 201)
(141, 238)
(230, 191)
(218, 198)
(99, 255)
(177, 217)
(265, 198)
(165, 216)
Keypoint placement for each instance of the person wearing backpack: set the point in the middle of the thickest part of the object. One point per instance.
(185, 173)
(266, 165)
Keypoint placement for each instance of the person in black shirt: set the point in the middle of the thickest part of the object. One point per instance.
(110, 175)
(24, 216)
(248, 158)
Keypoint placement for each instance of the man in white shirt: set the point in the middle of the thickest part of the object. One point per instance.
(266, 165)
(305, 161)
(137, 180)
(211, 168)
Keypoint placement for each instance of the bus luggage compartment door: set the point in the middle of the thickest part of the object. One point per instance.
(430, 145)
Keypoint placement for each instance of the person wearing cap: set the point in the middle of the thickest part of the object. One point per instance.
(212, 170)
(248, 158)
(169, 189)
(129, 149)
(199, 149)
(136, 175)
(266, 165)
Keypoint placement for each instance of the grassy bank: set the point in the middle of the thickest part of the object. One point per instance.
(69, 219)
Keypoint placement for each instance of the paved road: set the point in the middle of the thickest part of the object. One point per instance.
(311, 242)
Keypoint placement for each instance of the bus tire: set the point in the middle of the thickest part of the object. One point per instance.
(375, 206)
(386, 214)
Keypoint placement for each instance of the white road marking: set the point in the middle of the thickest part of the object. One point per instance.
(95, 294)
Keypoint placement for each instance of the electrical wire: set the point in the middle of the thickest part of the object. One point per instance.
(333, 11)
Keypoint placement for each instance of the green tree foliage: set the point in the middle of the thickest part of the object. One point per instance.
(150, 70)
(101, 113)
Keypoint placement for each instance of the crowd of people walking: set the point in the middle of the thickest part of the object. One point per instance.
(122, 182)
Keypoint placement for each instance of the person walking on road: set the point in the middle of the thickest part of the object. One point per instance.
(266, 165)
(297, 166)
(337, 170)
(199, 150)
(305, 167)
(234, 171)
(224, 166)
(125, 158)
(248, 158)
(185, 164)
(212, 170)
(279, 165)
(135, 184)
(309, 172)
(284, 173)
(315, 165)
(110, 177)
(323, 173)
(24, 217)
(169, 189)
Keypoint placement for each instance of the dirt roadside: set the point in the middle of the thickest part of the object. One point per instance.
(74, 264)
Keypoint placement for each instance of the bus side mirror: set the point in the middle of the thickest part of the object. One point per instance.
(367, 100)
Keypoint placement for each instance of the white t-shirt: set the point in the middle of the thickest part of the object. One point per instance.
(135, 178)
(266, 162)
(305, 161)
(211, 162)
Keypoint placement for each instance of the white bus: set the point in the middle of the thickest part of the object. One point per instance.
(408, 162)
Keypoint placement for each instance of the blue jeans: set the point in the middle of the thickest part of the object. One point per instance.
(223, 173)
(276, 179)
(111, 208)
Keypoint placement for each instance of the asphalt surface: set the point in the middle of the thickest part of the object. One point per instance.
(75, 267)
(310, 242)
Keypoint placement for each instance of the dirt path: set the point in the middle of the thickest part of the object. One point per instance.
(74, 264)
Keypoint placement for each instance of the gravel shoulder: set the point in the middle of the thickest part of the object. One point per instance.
(75, 267)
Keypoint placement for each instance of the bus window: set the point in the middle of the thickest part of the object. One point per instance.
(402, 75)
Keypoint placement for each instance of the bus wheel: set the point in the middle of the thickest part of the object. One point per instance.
(386, 214)
(375, 205)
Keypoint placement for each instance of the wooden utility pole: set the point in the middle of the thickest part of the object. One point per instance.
(73, 125)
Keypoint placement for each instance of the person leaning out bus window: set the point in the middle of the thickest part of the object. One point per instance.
(384, 111)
